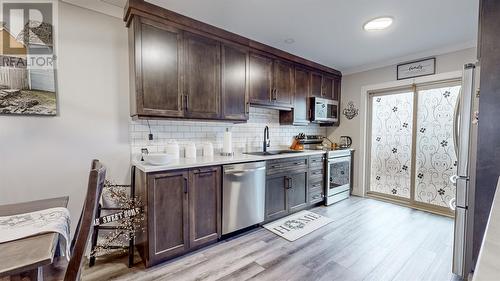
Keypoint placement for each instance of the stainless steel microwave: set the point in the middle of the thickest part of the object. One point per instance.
(324, 110)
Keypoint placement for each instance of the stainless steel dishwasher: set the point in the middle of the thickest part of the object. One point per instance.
(243, 195)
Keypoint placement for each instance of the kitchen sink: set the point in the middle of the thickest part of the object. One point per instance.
(273, 152)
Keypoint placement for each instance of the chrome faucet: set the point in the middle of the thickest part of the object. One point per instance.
(267, 141)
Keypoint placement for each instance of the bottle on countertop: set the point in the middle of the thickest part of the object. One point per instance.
(227, 148)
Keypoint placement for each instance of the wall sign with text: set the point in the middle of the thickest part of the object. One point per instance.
(416, 68)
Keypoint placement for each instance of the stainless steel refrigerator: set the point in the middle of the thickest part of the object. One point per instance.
(465, 138)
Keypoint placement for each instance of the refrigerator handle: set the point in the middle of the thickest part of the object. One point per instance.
(455, 123)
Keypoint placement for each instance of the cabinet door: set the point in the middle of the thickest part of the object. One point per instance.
(157, 69)
(297, 194)
(202, 77)
(301, 97)
(167, 215)
(261, 72)
(276, 199)
(204, 206)
(336, 89)
(235, 105)
(316, 85)
(328, 87)
(283, 83)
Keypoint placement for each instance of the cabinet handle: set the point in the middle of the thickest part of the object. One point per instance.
(186, 99)
(289, 182)
(185, 185)
(247, 107)
(204, 173)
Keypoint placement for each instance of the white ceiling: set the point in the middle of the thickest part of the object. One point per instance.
(330, 31)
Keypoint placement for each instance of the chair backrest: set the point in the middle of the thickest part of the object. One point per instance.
(85, 228)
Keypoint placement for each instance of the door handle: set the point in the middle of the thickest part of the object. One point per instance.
(185, 185)
(243, 171)
(454, 178)
(289, 181)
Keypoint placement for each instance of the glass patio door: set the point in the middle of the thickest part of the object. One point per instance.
(411, 145)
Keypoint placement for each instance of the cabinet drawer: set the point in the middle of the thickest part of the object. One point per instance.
(317, 185)
(315, 174)
(316, 161)
(280, 165)
(316, 197)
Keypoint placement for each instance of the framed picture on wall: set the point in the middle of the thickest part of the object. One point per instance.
(27, 60)
(416, 68)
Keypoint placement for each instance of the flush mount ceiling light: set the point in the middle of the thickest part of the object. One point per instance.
(379, 23)
(289, 40)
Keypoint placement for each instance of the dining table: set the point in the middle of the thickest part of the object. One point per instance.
(28, 255)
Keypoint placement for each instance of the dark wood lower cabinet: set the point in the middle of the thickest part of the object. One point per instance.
(182, 211)
(286, 187)
(276, 196)
(167, 220)
(297, 193)
(204, 206)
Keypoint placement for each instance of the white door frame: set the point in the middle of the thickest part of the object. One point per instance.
(365, 117)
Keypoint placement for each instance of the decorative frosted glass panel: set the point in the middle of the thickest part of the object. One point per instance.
(391, 140)
(435, 152)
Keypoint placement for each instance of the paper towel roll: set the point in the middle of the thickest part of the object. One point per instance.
(228, 142)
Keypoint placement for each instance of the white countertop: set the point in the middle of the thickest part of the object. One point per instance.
(488, 263)
(186, 163)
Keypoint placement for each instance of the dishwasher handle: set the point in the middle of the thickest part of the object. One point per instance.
(228, 172)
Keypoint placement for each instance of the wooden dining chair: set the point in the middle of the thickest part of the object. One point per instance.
(84, 228)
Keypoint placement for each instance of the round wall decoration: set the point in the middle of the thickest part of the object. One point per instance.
(350, 111)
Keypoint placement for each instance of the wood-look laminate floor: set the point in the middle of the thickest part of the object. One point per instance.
(368, 240)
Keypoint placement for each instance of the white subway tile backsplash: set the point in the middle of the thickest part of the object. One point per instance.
(246, 136)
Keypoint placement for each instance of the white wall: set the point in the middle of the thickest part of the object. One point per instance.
(48, 157)
(352, 91)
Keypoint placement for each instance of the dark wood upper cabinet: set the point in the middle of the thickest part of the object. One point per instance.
(157, 65)
(283, 83)
(328, 87)
(299, 115)
(167, 215)
(235, 104)
(204, 205)
(261, 79)
(316, 85)
(202, 77)
(298, 193)
(271, 82)
(183, 68)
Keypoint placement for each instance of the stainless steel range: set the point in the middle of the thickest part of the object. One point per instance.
(338, 175)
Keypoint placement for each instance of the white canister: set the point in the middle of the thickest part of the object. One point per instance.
(172, 149)
(208, 149)
(190, 150)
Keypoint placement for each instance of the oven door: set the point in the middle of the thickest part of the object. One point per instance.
(338, 175)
